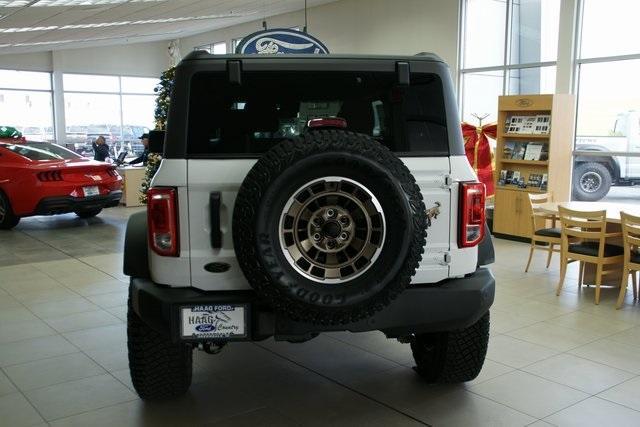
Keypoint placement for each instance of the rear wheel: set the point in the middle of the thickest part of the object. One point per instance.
(452, 357)
(591, 181)
(8, 219)
(159, 368)
(88, 213)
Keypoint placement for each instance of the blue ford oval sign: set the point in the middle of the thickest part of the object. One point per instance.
(280, 41)
(206, 327)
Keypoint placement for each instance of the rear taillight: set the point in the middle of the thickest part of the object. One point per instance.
(112, 172)
(471, 218)
(327, 122)
(162, 219)
(50, 176)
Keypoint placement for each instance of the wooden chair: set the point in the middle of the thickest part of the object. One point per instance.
(590, 229)
(631, 238)
(550, 236)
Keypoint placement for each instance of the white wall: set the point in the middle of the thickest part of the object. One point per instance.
(364, 26)
(141, 59)
(36, 61)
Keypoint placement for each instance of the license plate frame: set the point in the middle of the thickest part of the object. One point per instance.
(91, 191)
(218, 322)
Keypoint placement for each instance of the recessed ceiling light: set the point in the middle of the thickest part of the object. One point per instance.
(13, 3)
(27, 29)
(93, 39)
(119, 23)
(41, 3)
(87, 2)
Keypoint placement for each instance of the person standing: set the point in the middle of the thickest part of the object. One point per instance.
(142, 158)
(100, 149)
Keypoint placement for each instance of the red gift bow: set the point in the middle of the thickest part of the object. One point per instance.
(478, 151)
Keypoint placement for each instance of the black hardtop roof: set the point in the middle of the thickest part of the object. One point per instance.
(197, 55)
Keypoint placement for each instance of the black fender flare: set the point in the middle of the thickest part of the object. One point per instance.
(136, 248)
(486, 253)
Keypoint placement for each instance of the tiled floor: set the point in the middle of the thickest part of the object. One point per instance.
(552, 360)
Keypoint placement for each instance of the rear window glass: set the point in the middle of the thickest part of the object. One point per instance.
(41, 151)
(230, 120)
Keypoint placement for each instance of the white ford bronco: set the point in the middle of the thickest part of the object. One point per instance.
(300, 194)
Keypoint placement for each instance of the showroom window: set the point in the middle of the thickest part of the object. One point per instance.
(26, 103)
(119, 108)
(608, 113)
(508, 47)
(235, 43)
(215, 48)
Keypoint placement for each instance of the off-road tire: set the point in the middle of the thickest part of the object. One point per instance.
(88, 213)
(275, 178)
(159, 368)
(599, 170)
(452, 357)
(8, 219)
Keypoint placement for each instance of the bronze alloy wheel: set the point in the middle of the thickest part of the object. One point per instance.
(332, 230)
(329, 227)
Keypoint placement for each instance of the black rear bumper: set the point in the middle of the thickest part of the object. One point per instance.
(65, 204)
(452, 304)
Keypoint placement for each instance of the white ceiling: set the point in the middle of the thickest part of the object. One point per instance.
(40, 25)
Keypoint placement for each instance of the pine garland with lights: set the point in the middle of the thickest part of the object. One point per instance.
(163, 89)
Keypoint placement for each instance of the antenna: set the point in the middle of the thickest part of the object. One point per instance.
(305, 16)
(264, 15)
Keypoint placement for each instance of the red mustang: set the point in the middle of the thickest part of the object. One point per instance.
(40, 178)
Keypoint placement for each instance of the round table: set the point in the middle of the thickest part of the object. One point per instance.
(613, 224)
(613, 209)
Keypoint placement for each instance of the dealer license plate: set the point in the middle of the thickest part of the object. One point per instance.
(214, 321)
(91, 191)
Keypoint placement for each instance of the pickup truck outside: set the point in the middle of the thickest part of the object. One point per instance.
(603, 161)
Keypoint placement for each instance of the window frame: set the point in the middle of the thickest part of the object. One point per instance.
(209, 47)
(50, 91)
(578, 62)
(505, 67)
(119, 93)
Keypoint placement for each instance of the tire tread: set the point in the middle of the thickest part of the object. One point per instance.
(452, 357)
(272, 164)
(159, 368)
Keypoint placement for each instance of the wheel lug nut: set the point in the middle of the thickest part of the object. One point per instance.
(331, 213)
(331, 244)
(344, 220)
(317, 221)
(317, 237)
(344, 235)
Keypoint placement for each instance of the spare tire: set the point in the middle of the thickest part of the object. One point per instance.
(329, 227)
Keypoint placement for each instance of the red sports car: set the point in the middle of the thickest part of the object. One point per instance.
(40, 178)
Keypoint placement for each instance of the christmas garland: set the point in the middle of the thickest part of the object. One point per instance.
(8, 132)
(163, 89)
